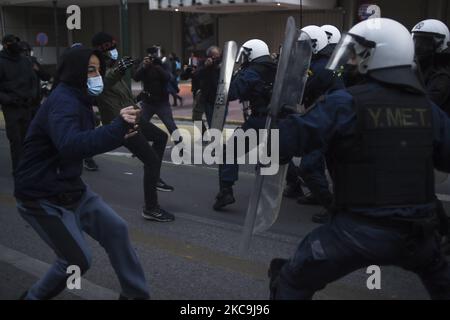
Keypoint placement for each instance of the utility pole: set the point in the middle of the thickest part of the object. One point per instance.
(2, 22)
(124, 34)
(55, 20)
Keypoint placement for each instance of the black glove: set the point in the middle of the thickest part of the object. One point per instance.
(124, 64)
(287, 110)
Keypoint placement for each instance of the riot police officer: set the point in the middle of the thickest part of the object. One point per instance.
(253, 83)
(320, 81)
(431, 39)
(384, 137)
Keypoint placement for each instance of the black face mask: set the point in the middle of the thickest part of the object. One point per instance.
(425, 47)
(14, 48)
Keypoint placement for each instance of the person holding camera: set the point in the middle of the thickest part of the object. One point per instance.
(116, 94)
(16, 94)
(155, 97)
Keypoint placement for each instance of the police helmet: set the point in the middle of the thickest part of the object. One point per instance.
(431, 36)
(333, 33)
(251, 50)
(380, 47)
(319, 38)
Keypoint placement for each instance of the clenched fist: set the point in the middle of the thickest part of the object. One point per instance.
(130, 115)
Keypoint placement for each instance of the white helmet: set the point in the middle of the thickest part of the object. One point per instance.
(319, 38)
(252, 50)
(374, 44)
(333, 33)
(435, 30)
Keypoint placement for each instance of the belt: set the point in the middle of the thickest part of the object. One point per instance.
(420, 226)
(66, 199)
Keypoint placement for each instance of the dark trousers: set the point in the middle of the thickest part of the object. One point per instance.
(229, 173)
(164, 112)
(151, 157)
(344, 245)
(312, 172)
(17, 121)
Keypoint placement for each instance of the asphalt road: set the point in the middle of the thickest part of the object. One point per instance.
(195, 257)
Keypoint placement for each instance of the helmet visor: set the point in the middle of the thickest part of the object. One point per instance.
(243, 55)
(343, 54)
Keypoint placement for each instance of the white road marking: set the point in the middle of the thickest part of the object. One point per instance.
(37, 268)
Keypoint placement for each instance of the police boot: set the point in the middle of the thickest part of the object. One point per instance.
(308, 200)
(293, 191)
(224, 198)
(274, 272)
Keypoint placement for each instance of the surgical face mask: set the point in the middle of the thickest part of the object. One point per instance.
(114, 54)
(95, 85)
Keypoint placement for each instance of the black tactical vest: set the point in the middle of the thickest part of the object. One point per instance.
(388, 162)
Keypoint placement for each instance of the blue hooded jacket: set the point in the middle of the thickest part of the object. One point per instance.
(62, 134)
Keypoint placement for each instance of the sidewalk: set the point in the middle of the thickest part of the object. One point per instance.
(185, 112)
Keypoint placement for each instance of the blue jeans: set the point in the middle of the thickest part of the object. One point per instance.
(63, 230)
(344, 245)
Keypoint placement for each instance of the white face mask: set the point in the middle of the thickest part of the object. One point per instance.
(95, 85)
(114, 54)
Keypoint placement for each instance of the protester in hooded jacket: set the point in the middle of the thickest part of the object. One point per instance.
(52, 197)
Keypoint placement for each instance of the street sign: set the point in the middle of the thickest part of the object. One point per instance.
(42, 39)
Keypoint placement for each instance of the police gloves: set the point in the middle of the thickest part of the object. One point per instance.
(124, 64)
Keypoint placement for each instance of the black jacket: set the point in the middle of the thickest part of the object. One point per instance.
(155, 80)
(208, 80)
(16, 80)
(437, 83)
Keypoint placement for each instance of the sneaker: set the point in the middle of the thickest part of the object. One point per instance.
(308, 200)
(157, 214)
(224, 198)
(163, 187)
(273, 273)
(321, 218)
(90, 165)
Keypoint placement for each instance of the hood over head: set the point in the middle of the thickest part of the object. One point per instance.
(73, 67)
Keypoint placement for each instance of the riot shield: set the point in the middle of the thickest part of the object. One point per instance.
(289, 85)
(226, 72)
(440, 177)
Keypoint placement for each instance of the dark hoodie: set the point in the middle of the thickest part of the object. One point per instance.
(62, 134)
(16, 79)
